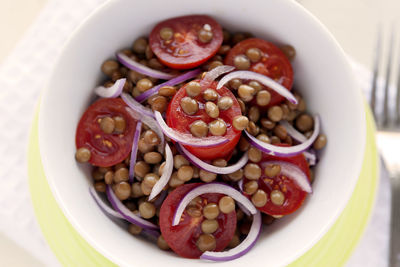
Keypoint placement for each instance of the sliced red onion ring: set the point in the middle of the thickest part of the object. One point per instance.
(240, 185)
(136, 106)
(133, 65)
(298, 136)
(311, 157)
(214, 74)
(186, 76)
(132, 161)
(242, 248)
(250, 75)
(212, 188)
(126, 213)
(111, 92)
(293, 172)
(103, 206)
(188, 139)
(285, 151)
(167, 171)
(211, 168)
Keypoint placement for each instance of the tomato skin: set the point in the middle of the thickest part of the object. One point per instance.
(106, 149)
(184, 50)
(273, 64)
(180, 121)
(294, 195)
(182, 237)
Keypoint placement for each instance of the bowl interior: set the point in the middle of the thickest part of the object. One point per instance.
(322, 75)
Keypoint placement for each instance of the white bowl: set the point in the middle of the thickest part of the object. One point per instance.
(322, 74)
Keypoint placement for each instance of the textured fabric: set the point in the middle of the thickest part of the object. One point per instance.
(24, 73)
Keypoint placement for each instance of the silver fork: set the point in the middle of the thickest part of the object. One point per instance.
(388, 136)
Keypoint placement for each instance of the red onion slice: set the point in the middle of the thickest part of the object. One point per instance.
(136, 106)
(311, 157)
(286, 151)
(265, 80)
(167, 171)
(211, 168)
(214, 74)
(242, 248)
(103, 206)
(132, 161)
(111, 92)
(293, 172)
(133, 65)
(126, 213)
(298, 136)
(212, 188)
(188, 139)
(186, 76)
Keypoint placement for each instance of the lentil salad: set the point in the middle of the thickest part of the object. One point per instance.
(249, 141)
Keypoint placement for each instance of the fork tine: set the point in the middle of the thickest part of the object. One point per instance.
(378, 48)
(387, 80)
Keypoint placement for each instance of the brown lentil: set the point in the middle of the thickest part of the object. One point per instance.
(205, 36)
(100, 187)
(272, 170)
(226, 204)
(147, 210)
(275, 113)
(302, 105)
(267, 124)
(210, 95)
(193, 89)
(193, 211)
(199, 128)
(166, 33)
(264, 138)
(185, 173)
(209, 226)
(151, 138)
(217, 127)
(107, 125)
(320, 142)
(189, 105)
(254, 114)
(159, 103)
(235, 83)
(214, 64)
(134, 229)
(119, 166)
(236, 176)
(139, 46)
(149, 53)
(304, 123)
(289, 51)
(150, 179)
(180, 161)
(255, 155)
(240, 122)
(252, 128)
(174, 181)
(121, 175)
(254, 54)
(277, 197)
(122, 190)
(280, 131)
(109, 177)
(256, 85)
(134, 76)
(136, 190)
(116, 75)
(109, 66)
(167, 91)
(97, 175)
(206, 242)
(144, 84)
(275, 140)
(225, 103)
(224, 49)
(82, 155)
(252, 171)
(241, 62)
(259, 198)
(206, 176)
(119, 123)
(250, 187)
(143, 147)
(211, 211)
(246, 92)
(220, 162)
(161, 243)
(212, 110)
(152, 157)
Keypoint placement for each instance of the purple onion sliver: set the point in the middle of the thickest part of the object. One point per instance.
(211, 168)
(293, 172)
(133, 65)
(214, 74)
(282, 151)
(242, 248)
(311, 157)
(111, 92)
(103, 206)
(136, 106)
(212, 188)
(188, 139)
(186, 76)
(132, 161)
(265, 80)
(126, 213)
(296, 135)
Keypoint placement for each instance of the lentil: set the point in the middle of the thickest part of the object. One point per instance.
(193, 89)
(144, 84)
(211, 211)
(109, 66)
(277, 197)
(180, 161)
(217, 127)
(159, 103)
(275, 113)
(209, 226)
(139, 46)
(259, 198)
(206, 242)
(246, 92)
(152, 157)
(252, 171)
(254, 54)
(151, 138)
(250, 187)
(166, 33)
(161, 243)
(122, 190)
(185, 173)
(100, 187)
(136, 190)
(147, 210)
(167, 91)
(212, 110)
(150, 180)
(241, 62)
(206, 176)
(199, 128)
(254, 114)
(240, 122)
(254, 154)
(236, 176)
(225, 103)
(304, 123)
(134, 229)
(121, 175)
(189, 105)
(82, 155)
(226, 204)
(272, 170)
(210, 95)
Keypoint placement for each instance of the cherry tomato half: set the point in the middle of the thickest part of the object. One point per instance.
(106, 149)
(272, 63)
(179, 120)
(178, 44)
(182, 238)
(294, 195)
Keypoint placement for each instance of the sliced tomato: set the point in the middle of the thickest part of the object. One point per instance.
(179, 120)
(182, 237)
(184, 50)
(106, 149)
(294, 195)
(273, 63)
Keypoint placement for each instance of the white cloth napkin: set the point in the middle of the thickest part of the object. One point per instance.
(24, 73)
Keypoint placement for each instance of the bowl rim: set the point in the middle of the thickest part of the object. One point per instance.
(100, 10)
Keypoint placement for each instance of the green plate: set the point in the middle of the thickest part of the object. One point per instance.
(332, 250)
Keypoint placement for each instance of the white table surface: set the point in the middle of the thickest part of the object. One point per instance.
(352, 22)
